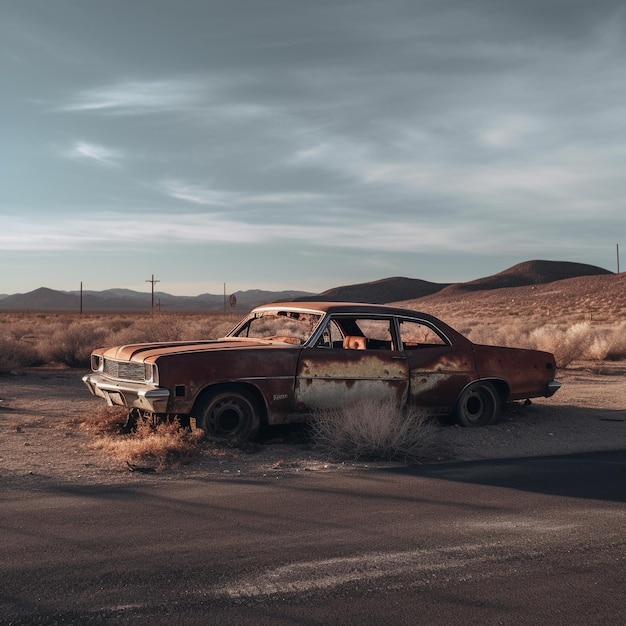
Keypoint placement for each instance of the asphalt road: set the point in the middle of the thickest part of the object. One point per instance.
(529, 541)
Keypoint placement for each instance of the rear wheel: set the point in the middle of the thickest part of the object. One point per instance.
(232, 415)
(478, 405)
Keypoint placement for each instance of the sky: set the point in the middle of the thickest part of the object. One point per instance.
(290, 144)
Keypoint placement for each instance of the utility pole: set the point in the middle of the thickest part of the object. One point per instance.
(617, 249)
(81, 297)
(153, 281)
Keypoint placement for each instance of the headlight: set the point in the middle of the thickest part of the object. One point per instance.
(97, 362)
(151, 373)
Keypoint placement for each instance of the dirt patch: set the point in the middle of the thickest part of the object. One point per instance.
(42, 441)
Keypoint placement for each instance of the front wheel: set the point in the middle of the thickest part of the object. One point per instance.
(478, 405)
(232, 415)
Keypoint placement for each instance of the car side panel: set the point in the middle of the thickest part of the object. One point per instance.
(527, 372)
(331, 377)
(270, 370)
(438, 374)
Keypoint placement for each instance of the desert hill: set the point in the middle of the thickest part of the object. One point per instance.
(530, 273)
(600, 297)
(410, 289)
(380, 291)
(548, 290)
(39, 299)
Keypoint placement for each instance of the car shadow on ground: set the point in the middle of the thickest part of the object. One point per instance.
(590, 475)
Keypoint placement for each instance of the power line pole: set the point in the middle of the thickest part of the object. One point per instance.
(617, 249)
(153, 281)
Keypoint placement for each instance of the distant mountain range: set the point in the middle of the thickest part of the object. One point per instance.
(119, 300)
(395, 289)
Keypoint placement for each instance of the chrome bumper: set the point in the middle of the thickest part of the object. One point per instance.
(552, 387)
(129, 395)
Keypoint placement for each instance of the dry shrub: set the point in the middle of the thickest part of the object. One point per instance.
(150, 329)
(212, 326)
(16, 353)
(598, 348)
(106, 420)
(171, 327)
(117, 324)
(72, 345)
(568, 344)
(375, 430)
(609, 344)
(156, 446)
(20, 330)
(29, 340)
(616, 350)
(515, 334)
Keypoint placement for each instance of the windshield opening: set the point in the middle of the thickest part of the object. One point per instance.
(284, 326)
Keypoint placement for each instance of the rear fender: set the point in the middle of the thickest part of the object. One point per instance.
(499, 384)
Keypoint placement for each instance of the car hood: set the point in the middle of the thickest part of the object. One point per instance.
(144, 351)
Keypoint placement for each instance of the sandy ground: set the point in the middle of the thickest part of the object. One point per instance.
(42, 442)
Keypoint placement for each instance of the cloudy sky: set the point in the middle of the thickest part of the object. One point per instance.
(289, 144)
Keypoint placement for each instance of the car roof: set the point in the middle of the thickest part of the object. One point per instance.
(341, 307)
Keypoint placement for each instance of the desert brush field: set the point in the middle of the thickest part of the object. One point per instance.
(50, 426)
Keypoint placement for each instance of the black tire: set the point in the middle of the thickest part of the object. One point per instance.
(232, 415)
(478, 405)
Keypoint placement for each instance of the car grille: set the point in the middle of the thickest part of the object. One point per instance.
(125, 370)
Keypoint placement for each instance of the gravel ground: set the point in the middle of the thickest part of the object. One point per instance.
(42, 442)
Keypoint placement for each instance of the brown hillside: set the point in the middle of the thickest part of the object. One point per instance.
(530, 273)
(599, 298)
(523, 275)
(380, 291)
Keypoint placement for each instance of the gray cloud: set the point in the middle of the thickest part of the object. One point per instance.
(137, 98)
(369, 131)
(90, 151)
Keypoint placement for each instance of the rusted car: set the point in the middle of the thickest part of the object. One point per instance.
(285, 361)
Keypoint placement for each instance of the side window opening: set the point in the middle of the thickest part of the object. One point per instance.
(365, 334)
(415, 335)
(376, 332)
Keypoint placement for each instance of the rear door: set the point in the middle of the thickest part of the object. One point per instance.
(440, 366)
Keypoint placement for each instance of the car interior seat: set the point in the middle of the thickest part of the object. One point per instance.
(354, 342)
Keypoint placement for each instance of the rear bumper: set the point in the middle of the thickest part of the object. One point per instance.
(552, 387)
(129, 395)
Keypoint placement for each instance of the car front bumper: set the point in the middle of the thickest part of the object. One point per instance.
(130, 395)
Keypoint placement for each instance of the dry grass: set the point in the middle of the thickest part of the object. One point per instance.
(588, 341)
(16, 353)
(28, 339)
(376, 431)
(72, 346)
(149, 446)
(578, 318)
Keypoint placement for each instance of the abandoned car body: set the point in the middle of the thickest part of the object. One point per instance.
(285, 361)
